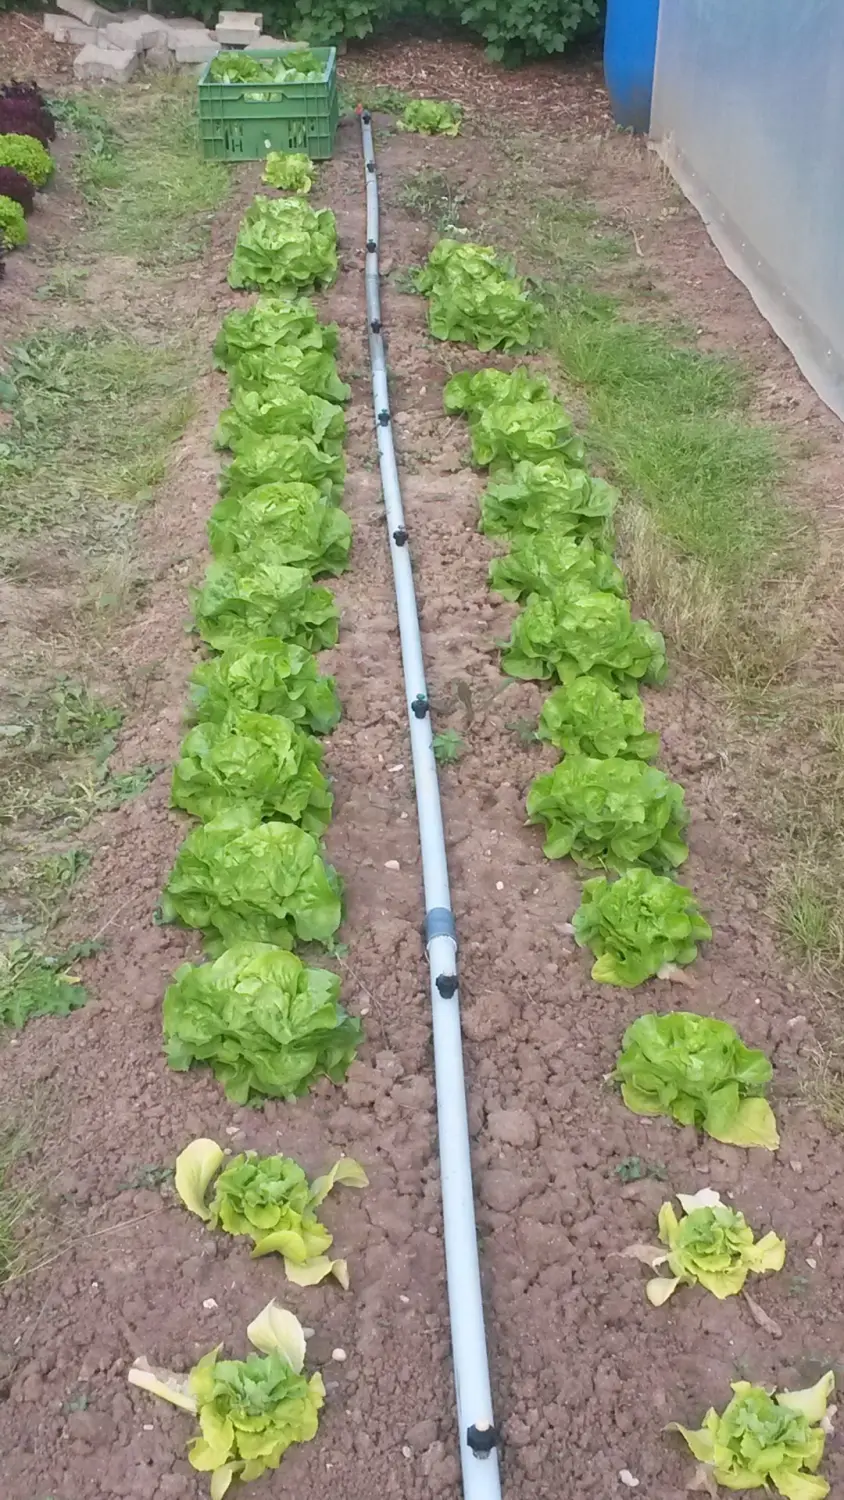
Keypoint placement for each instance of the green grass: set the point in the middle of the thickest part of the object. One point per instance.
(18, 1199)
(381, 98)
(151, 193)
(33, 984)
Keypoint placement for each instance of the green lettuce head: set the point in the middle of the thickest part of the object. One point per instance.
(255, 593)
(612, 813)
(637, 926)
(764, 1441)
(281, 411)
(549, 495)
(267, 676)
(249, 1410)
(513, 432)
(711, 1246)
(272, 322)
(282, 246)
(553, 563)
(698, 1071)
(474, 393)
(237, 879)
(289, 171)
(476, 298)
(591, 718)
(268, 1026)
(270, 1199)
(281, 460)
(305, 527)
(275, 367)
(431, 117)
(261, 759)
(574, 632)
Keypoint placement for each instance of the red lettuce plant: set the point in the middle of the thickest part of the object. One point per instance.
(30, 93)
(14, 185)
(20, 117)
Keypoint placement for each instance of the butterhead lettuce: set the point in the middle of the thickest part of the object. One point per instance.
(283, 245)
(574, 632)
(431, 117)
(270, 323)
(262, 369)
(613, 813)
(266, 1025)
(548, 495)
(255, 593)
(472, 393)
(476, 298)
(546, 563)
(279, 460)
(257, 758)
(636, 925)
(289, 171)
(269, 676)
(304, 526)
(591, 718)
(283, 410)
(709, 1245)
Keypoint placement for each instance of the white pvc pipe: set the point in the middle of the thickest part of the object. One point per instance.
(478, 1452)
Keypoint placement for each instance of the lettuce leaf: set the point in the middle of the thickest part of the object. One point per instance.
(268, 676)
(476, 298)
(636, 925)
(255, 593)
(591, 718)
(241, 880)
(256, 758)
(285, 410)
(522, 431)
(551, 562)
(550, 495)
(762, 1440)
(710, 1246)
(289, 171)
(280, 460)
(268, 323)
(306, 529)
(472, 393)
(262, 369)
(570, 633)
(282, 245)
(697, 1070)
(611, 813)
(431, 117)
(266, 1024)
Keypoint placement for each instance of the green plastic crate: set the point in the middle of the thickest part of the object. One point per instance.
(289, 117)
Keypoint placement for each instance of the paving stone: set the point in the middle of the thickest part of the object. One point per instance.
(151, 31)
(196, 51)
(86, 11)
(104, 65)
(120, 34)
(237, 36)
(68, 29)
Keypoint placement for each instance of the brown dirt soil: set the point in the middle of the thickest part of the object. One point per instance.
(585, 1374)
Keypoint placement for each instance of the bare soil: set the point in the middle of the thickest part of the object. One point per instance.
(585, 1374)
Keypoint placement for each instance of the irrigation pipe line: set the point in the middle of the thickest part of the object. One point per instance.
(478, 1438)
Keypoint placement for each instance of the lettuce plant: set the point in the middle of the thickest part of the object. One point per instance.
(570, 633)
(28, 157)
(472, 393)
(260, 759)
(279, 460)
(269, 323)
(764, 1441)
(250, 1410)
(476, 298)
(289, 171)
(711, 1246)
(612, 813)
(306, 529)
(267, 1025)
(289, 67)
(637, 925)
(17, 187)
(268, 676)
(19, 116)
(551, 495)
(270, 1199)
(591, 718)
(282, 244)
(237, 879)
(255, 593)
(285, 410)
(551, 563)
(512, 432)
(315, 370)
(13, 230)
(698, 1071)
(431, 117)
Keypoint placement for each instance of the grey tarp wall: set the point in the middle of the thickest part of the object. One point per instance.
(748, 113)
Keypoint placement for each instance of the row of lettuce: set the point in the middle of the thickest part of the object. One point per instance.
(27, 127)
(608, 807)
(252, 875)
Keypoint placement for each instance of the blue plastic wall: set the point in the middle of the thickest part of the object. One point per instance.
(629, 53)
(748, 112)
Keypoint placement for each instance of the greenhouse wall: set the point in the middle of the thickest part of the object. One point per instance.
(748, 114)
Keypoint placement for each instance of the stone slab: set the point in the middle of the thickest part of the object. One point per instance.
(236, 36)
(104, 65)
(197, 50)
(253, 20)
(68, 29)
(86, 12)
(120, 34)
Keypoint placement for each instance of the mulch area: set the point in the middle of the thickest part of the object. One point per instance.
(26, 51)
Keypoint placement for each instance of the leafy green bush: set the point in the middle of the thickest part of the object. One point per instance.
(283, 410)
(283, 460)
(591, 718)
(13, 231)
(516, 30)
(551, 495)
(255, 593)
(636, 925)
(304, 527)
(259, 759)
(267, 1025)
(289, 171)
(762, 1440)
(571, 633)
(272, 321)
(698, 1071)
(241, 880)
(283, 244)
(431, 117)
(552, 562)
(611, 813)
(28, 157)
(268, 676)
(476, 298)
